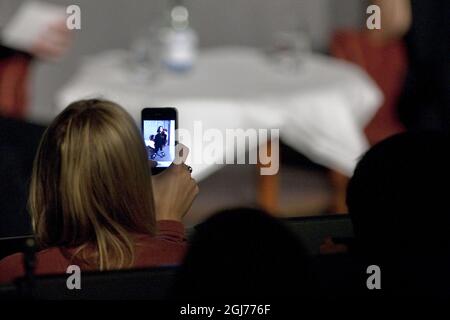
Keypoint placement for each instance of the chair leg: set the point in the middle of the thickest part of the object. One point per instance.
(267, 187)
(339, 184)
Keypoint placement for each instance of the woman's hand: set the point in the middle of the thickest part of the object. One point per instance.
(174, 190)
(53, 43)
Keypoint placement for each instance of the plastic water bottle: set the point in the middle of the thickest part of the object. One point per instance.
(179, 41)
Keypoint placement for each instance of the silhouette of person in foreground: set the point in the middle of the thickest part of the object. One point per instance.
(242, 253)
(398, 202)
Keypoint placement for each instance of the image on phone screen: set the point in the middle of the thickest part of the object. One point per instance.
(159, 137)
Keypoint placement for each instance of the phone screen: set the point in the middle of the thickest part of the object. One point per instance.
(159, 138)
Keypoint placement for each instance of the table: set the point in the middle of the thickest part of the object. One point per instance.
(320, 108)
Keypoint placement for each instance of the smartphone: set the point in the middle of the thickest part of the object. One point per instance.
(159, 127)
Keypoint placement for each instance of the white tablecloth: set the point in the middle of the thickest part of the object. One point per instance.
(320, 109)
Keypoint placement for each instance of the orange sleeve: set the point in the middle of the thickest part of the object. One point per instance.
(11, 268)
(171, 230)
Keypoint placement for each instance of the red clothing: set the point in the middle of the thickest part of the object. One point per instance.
(166, 248)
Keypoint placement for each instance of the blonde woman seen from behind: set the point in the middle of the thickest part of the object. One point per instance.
(92, 199)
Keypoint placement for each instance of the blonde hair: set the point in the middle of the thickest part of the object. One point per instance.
(91, 185)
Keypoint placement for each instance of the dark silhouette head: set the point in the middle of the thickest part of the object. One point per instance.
(398, 197)
(242, 253)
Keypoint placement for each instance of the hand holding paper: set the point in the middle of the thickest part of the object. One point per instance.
(40, 29)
